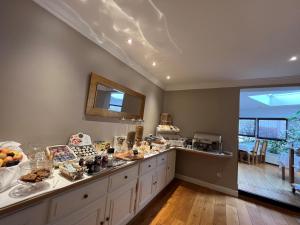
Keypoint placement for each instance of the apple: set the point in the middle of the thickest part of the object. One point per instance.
(2, 155)
(18, 156)
(7, 159)
(5, 150)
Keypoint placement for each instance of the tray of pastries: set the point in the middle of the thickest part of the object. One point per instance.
(60, 154)
(84, 151)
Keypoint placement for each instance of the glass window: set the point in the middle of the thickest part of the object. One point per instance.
(273, 129)
(247, 127)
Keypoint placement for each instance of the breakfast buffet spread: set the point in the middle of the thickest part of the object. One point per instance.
(44, 170)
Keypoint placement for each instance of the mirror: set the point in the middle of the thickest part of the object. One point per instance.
(109, 99)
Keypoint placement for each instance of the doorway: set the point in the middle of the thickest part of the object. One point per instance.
(269, 142)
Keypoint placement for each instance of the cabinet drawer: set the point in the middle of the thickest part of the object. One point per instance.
(162, 159)
(70, 201)
(148, 165)
(119, 179)
(35, 215)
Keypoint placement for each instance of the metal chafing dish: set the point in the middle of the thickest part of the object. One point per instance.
(207, 142)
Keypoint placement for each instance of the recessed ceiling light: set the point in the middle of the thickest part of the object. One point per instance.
(154, 64)
(83, 1)
(129, 41)
(168, 77)
(293, 59)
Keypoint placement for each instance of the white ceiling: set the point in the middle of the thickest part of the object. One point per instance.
(199, 43)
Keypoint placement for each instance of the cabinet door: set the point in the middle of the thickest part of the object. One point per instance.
(161, 178)
(92, 214)
(171, 166)
(146, 189)
(35, 215)
(120, 204)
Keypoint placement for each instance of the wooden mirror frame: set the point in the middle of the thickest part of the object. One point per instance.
(93, 111)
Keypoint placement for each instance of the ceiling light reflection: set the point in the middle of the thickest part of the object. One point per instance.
(293, 59)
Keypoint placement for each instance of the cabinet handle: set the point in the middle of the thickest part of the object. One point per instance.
(125, 177)
(149, 166)
(107, 219)
(162, 159)
(101, 223)
(85, 196)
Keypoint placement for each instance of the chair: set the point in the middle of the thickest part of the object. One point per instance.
(253, 154)
(262, 152)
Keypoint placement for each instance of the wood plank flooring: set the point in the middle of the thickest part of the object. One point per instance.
(182, 203)
(265, 180)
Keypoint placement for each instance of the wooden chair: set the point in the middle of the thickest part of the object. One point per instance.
(262, 152)
(253, 154)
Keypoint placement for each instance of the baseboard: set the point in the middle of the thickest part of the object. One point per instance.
(214, 187)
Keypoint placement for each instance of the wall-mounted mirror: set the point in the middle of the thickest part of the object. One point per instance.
(109, 99)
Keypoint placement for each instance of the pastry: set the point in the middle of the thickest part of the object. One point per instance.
(36, 175)
(31, 177)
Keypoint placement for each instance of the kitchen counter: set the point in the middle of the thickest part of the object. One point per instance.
(57, 184)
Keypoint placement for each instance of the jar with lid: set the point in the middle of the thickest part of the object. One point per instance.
(110, 156)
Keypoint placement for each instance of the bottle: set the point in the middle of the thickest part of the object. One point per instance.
(110, 156)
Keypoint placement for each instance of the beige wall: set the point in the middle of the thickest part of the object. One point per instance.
(212, 111)
(44, 77)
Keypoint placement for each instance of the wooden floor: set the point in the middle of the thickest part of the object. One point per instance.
(265, 180)
(187, 204)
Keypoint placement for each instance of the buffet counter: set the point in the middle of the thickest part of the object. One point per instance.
(222, 154)
(93, 198)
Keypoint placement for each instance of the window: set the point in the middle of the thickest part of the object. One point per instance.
(272, 129)
(247, 127)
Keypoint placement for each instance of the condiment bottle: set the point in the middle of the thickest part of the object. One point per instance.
(110, 153)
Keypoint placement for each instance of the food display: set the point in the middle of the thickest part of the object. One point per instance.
(35, 176)
(94, 166)
(84, 151)
(9, 157)
(80, 139)
(101, 146)
(72, 171)
(60, 153)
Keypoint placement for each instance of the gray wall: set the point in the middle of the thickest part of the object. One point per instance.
(212, 111)
(44, 77)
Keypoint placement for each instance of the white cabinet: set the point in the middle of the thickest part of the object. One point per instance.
(161, 178)
(117, 180)
(112, 200)
(120, 204)
(71, 201)
(92, 214)
(171, 165)
(35, 215)
(146, 189)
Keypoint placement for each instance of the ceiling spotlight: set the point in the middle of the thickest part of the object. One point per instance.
(168, 77)
(154, 64)
(129, 41)
(293, 59)
(83, 1)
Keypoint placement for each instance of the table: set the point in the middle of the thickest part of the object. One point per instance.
(291, 161)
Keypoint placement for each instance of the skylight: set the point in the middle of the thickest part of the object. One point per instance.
(280, 99)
